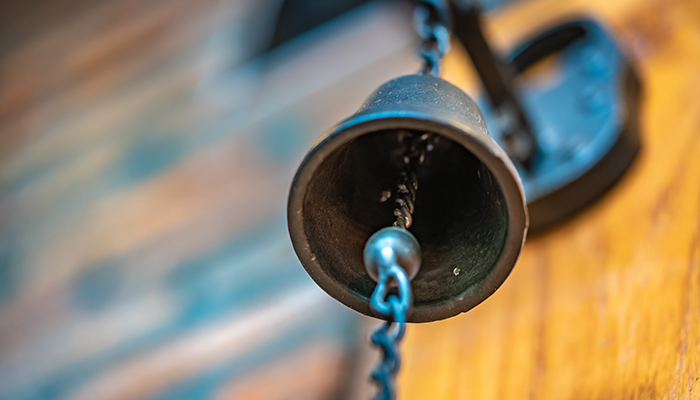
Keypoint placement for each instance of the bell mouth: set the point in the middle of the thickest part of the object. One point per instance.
(469, 209)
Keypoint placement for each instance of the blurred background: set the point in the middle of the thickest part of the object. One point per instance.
(146, 151)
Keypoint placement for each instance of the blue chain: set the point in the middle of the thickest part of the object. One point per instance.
(432, 22)
(389, 334)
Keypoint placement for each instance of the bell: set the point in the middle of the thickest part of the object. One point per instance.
(469, 217)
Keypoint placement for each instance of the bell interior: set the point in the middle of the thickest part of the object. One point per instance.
(460, 217)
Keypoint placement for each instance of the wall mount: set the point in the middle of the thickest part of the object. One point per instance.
(572, 137)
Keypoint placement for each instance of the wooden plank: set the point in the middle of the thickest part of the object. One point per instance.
(144, 170)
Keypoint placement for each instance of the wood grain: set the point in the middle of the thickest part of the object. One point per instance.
(146, 153)
(607, 305)
(144, 168)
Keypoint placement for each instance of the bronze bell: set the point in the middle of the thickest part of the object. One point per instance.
(470, 213)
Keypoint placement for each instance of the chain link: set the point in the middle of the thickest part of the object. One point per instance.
(431, 19)
(390, 333)
(379, 300)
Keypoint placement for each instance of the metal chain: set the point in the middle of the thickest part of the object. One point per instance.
(395, 307)
(432, 21)
(390, 333)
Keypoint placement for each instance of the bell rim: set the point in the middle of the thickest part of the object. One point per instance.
(471, 138)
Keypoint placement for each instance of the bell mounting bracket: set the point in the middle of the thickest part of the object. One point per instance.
(572, 133)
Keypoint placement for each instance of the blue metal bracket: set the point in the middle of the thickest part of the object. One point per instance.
(571, 135)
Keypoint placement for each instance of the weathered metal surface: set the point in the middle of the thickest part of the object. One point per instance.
(470, 216)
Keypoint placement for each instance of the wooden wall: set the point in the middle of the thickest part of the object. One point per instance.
(145, 158)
